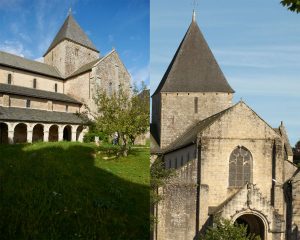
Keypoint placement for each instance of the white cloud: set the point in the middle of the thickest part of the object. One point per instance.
(15, 47)
(40, 59)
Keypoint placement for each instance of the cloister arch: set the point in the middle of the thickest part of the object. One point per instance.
(79, 132)
(38, 133)
(67, 133)
(20, 133)
(3, 133)
(53, 133)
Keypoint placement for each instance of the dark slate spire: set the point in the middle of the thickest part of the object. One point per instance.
(72, 31)
(194, 67)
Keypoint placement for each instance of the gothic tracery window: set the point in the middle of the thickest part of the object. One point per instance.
(240, 167)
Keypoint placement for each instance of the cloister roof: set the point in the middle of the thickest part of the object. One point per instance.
(34, 115)
(31, 92)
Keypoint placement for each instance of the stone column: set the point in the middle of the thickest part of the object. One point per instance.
(10, 136)
(46, 133)
(46, 136)
(73, 136)
(29, 136)
(60, 133)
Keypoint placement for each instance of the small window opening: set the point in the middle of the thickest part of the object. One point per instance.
(9, 78)
(67, 108)
(196, 104)
(28, 103)
(55, 87)
(34, 83)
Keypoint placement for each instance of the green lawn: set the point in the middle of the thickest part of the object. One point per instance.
(68, 191)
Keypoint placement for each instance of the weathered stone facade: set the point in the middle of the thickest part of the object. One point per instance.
(228, 161)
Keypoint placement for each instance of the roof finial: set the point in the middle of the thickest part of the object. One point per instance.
(70, 11)
(194, 16)
(194, 12)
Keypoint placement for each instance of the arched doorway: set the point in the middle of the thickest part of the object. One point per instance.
(38, 133)
(20, 133)
(253, 223)
(78, 132)
(3, 133)
(67, 136)
(53, 133)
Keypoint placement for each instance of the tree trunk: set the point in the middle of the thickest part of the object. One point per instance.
(124, 146)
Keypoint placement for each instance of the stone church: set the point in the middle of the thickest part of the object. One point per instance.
(228, 161)
(39, 101)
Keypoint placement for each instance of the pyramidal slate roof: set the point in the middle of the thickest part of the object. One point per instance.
(72, 31)
(194, 67)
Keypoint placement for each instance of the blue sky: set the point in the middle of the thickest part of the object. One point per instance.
(27, 28)
(257, 44)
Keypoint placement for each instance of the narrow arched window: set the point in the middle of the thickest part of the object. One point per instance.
(34, 83)
(9, 78)
(55, 87)
(240, 167)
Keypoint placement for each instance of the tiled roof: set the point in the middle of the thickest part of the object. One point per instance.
(194, 68)
(34, 115)
(31, 92)
(10, 60)
(71, 30)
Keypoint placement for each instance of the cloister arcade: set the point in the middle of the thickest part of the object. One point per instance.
(21, 132)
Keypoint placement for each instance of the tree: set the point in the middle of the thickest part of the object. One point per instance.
(292, 5)
(121, 112)
(223, 229)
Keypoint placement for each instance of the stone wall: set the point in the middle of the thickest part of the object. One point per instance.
(68, 56)
(216, 143)
(35, 103)
(178, 111)
(107, 74)
(25, 79)
(178, 209)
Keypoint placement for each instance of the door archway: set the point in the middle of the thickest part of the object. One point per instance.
(254, 224)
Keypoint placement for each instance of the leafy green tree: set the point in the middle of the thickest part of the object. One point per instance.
(121, 112)
(292, 5)
(223, 229)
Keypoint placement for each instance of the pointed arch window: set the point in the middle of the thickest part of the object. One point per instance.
(240, 167)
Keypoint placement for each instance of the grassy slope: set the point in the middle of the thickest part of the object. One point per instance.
(62, 191)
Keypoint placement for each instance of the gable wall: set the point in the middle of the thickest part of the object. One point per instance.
(25, 79)
(239, 127)
(178, 111)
